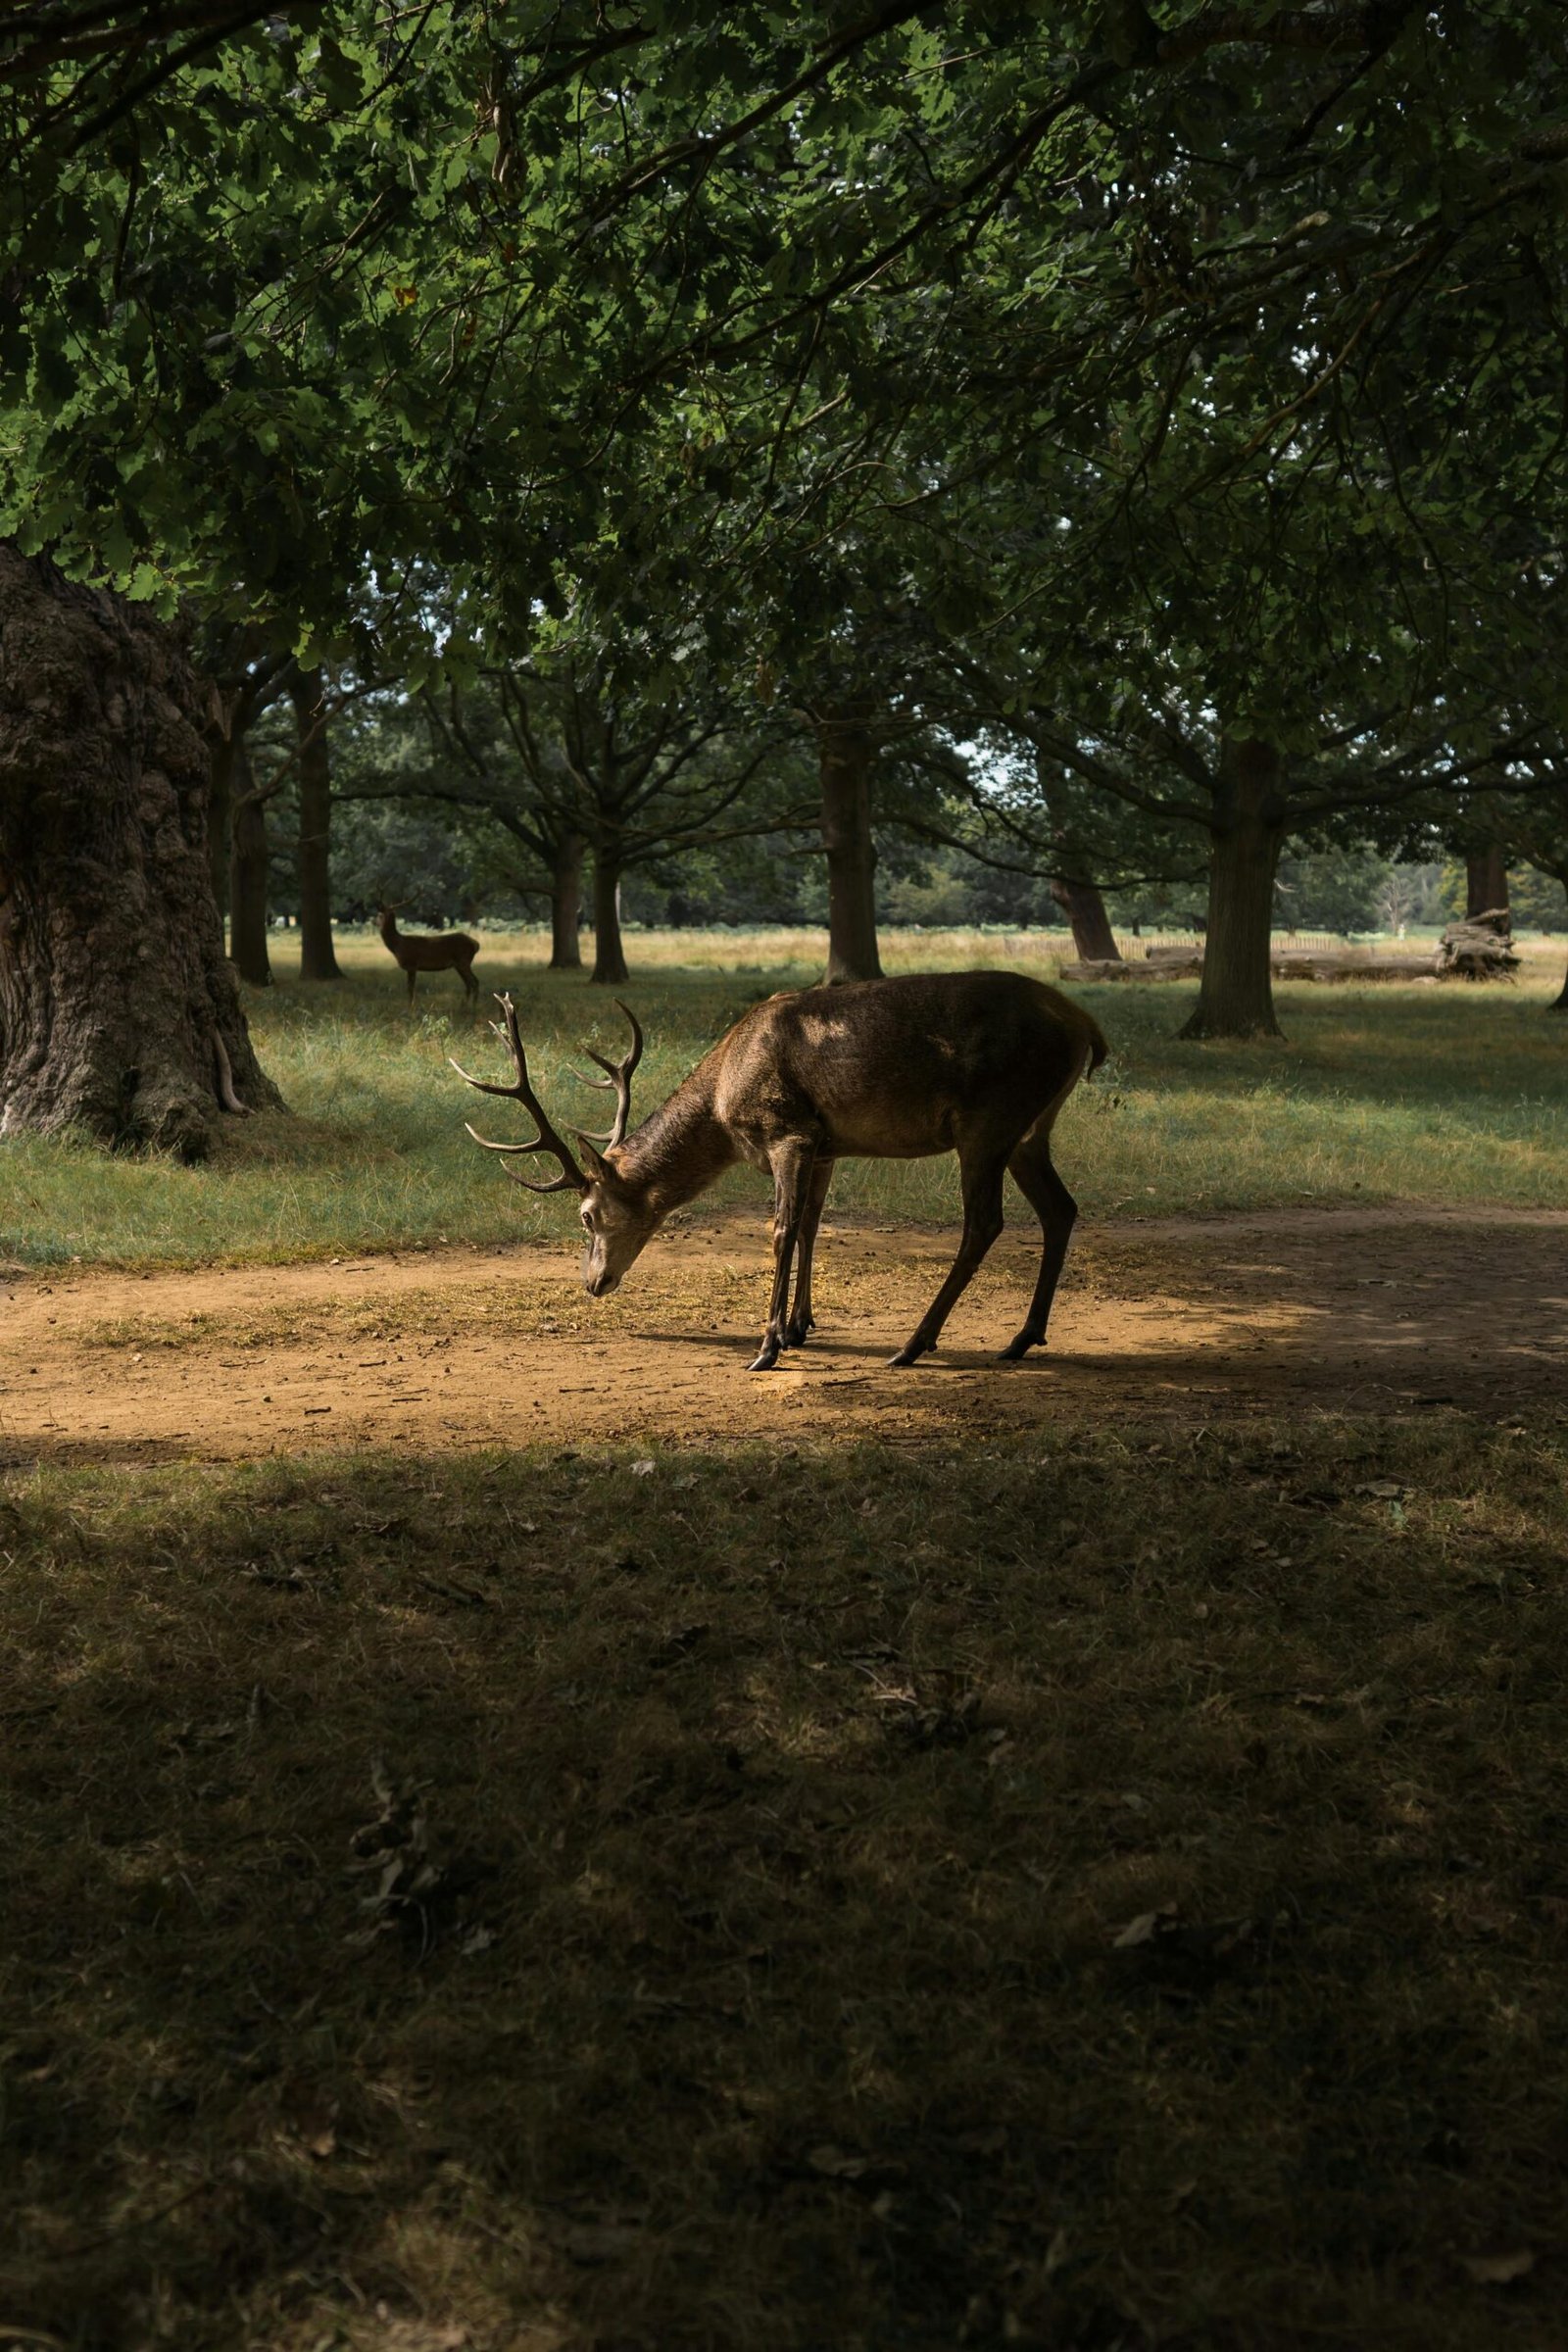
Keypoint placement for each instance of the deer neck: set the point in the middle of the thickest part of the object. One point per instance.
(678, 1151)
(389, 928)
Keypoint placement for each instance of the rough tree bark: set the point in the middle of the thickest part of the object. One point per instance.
(1236, 997)
(1559, 1003)
(610, 960)
(247, 875)
(318, 957)
(118, 1013)
(566, 905)
(1486, 881)
(1092, 937)
(846, 754)
(220, 806)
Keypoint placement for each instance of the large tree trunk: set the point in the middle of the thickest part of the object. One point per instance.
(1486, 881)
(118, 1013)
(318, 960)
(1235, 996)
(1091, 935)
(247, 877)
(1559, 1003)
(566, 905)
(847, 752)
(220, 807)
(610, 961)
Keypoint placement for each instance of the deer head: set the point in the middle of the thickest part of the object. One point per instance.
(618, 1219)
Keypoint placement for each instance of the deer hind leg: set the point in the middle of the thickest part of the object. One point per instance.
(801, 1319)
(412, 976)
(1032, 1171)
(470, 986)
(792, 1165)
(981, 1171)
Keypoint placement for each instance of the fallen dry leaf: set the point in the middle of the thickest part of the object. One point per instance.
(594, 2241)
(839, 2164)
(1146, 1928)
(399, 2335)
(1498, 2270)
(414, 1889)
(678, 1645)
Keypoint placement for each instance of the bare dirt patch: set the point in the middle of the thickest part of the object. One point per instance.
(1377, 1310)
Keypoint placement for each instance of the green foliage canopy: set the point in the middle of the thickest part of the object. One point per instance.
(360, 285)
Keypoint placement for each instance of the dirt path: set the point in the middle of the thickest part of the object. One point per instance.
(1378, 1310)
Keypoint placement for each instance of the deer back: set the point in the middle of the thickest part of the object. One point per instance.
(899, 1069)
(427, 951)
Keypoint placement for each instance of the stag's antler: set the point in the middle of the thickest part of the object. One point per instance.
(618, 1077)
(571, 1178)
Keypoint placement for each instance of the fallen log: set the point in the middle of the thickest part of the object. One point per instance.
(1162, 968)
(1481, 947)
(1349, 964)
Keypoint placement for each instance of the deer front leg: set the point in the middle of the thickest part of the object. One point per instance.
(791, 1164)
(800, 1317)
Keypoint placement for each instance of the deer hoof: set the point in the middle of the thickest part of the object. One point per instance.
(766, 1358)
(1020, 1347)
(906, 1355)
(795, 1335)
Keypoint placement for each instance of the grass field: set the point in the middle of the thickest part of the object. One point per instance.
(1430, 1094)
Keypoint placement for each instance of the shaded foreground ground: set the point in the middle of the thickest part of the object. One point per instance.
(1078, 1888)
(1382, 1311)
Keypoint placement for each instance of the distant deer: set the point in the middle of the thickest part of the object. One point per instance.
(976, 1062)
(426, 951)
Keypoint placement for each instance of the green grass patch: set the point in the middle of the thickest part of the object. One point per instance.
(1436, 1095)
(1101, 1889)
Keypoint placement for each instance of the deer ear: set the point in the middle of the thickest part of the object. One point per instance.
(595, 1166)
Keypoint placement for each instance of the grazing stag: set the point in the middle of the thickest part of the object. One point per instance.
(975, 1062)
(426, 951)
